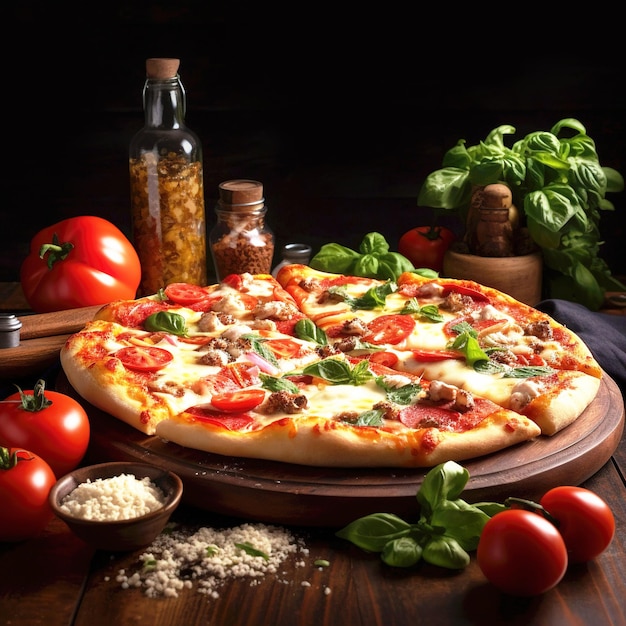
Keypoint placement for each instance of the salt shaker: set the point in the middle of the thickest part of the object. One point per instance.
(298, 253)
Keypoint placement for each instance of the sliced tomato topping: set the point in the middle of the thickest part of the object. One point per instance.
(431, 356)
(144, 358)
(389, 329)
(465, 291)
(229, 421)
(198, 340)
(238, 401)
(185, 293)
(233, 280)
(283, 348)
(383, 358)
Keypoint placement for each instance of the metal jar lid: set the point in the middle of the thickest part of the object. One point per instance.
(9, 331)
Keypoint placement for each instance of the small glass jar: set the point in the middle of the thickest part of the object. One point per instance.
(293, 253)
(241, 241)
(166, 186)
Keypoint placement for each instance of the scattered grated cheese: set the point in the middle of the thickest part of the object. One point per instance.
(180, 558)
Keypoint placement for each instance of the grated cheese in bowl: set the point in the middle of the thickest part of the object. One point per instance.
(116, 498)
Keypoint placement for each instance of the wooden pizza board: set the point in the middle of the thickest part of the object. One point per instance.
(283, 493)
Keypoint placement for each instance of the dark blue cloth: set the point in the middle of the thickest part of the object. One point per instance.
(604, 334)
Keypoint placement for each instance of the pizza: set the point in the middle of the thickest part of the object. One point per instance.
(329, 370)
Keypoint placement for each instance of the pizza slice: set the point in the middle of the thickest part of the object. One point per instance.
(144, 360)
(459, 332)
(350, 412)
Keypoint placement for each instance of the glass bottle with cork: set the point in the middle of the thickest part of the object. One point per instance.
(241, 241)
(166, 185)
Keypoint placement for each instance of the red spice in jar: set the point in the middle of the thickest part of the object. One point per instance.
(241, 241)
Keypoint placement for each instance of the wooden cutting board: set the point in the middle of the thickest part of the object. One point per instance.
(283, 493)
(41, 337)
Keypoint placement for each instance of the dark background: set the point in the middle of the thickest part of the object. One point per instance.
(340, 113)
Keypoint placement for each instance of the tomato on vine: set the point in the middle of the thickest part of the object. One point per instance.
(52, 425)
(25, 483)
(521, 553)
(583, 519)
(425, 246)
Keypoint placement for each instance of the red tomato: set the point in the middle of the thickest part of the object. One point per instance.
(425, 246)
(284, 348)
(238, 401)
(584, 520)
(389, 359)
(521, 553)
(25, 483)
(431, 356)
(50, 424)
(389, 329)
(185, 293)
(80, 261)
(144, 358)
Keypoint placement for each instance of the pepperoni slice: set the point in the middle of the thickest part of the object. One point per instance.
(390, 329)
(228, 421)
(144, 358)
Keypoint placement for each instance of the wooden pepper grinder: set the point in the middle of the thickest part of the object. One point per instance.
(497, 221)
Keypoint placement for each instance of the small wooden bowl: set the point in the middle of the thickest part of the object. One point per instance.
(126, 534)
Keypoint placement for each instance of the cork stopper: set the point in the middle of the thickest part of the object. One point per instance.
(162, 68)
(241, 194)
(497, 196)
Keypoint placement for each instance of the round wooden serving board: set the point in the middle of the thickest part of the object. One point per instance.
(282, 493)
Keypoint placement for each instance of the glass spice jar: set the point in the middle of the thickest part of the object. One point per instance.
(166, 185)
(241, 241)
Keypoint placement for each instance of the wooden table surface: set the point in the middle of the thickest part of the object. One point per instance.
(55, 579)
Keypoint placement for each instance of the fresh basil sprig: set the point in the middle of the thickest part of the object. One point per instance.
(339, 372)
(448, 527)
(275, 383)
(167, 321)
(372, 260)
(466, 341)
(373, 298)
(306, 329)
(257, 344)
(429, 311)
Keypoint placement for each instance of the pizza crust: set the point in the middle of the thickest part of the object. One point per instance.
(316, 441)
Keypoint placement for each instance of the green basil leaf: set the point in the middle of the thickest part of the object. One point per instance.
(167, 321)
(402, 552)
(248, 548)
(306, 329)
(257, 344)
(445, 552)
(333, 257)
(273, 383)
(443, 482)
(462, 521)
(373, 532)
(374, 244)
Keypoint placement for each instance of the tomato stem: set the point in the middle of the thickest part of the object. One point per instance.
(58, 251)
(533, 507)
(36, 401)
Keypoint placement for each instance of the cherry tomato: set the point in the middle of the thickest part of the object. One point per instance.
(144, 358)
(25, 483)
(389, 329)
(80, 261)
(50, 424)
(238, 401)
(425, 246)
(584, 520)
(521, 553)
(184, 293)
